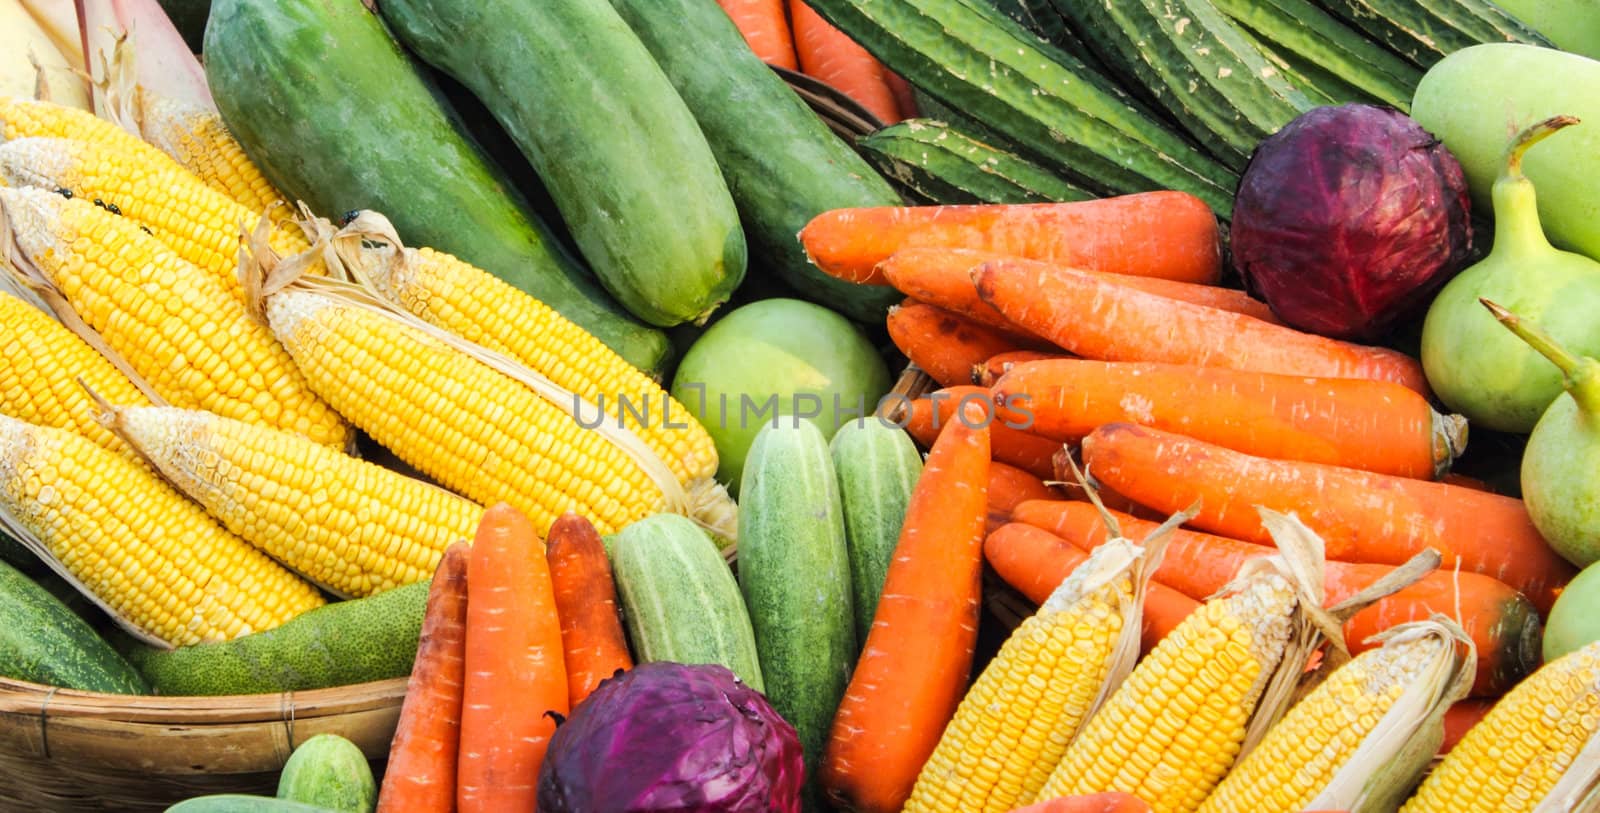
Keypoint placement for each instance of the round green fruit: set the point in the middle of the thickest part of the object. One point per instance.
(777, 357)
(1575, 618)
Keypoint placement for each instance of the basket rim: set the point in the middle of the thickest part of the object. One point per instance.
(32, 699)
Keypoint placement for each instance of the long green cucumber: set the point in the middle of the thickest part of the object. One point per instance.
(338, 644)
(1302, 28)
(619, 151)
(877, 465)
(338, 116)
(1221, 88)
(680, 601)
(783, 165)
(794, 572)
(43, 641)
(941, 163)
(1426, 31)
(974, 59)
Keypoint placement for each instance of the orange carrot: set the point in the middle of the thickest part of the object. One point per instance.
(830, 56)
(1461, 717)
(905, 99)
(985, 374)
(1362, 516)
(1109, 802)
(421, 772)
(927, 416)
(1372, 425)
(1457, 479)
(918, 654)
(1172, 235)
(1503, 624)
(1090, 317)
(766, 28)
(945, 345)
(1009, 487)
(943, 277)
(515, 677)
(1035, 562)
(592, 642)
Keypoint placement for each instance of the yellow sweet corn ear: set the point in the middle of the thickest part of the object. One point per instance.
(197, 223)
(1361, 739)
(199, 141)
(477, 306)
(41, 363)
(351, 526)
(1527, 755)
(152, 558)
(175, 325)
(34, 118)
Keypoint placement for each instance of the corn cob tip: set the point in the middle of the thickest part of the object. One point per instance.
(36, 161)
(286, 309)
(31, 216)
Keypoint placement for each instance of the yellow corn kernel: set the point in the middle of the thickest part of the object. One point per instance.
(199, 141)
(1513, 758)
(464, 424)
(197, 223)
(35, 118)
(142, 549)
(174, 324)
(1172, 729)
(40, 364)
(351, 526)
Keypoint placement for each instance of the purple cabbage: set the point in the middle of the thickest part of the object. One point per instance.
(1348, 218)
(670, 737)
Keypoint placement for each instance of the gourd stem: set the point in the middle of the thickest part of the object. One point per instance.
(1516, 206)
(1580, 376)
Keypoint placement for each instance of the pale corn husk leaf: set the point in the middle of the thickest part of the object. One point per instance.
(1578, 790)
(1394, 755)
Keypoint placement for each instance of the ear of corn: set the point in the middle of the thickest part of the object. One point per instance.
(351, 526)
(1513, 760)
(1364, 736)
(199, 141)
(149, 556)
(41, 362)
(34, 118)
(174, 324)
(197, 223)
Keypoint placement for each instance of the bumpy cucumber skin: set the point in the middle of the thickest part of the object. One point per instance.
(940, 163)
(619, 151)
(679, 599)
(974, 59)
(331, 109)
(1302, 29)
(794, 573)
(338, 644)
(1426, 31)
(43, 641)
(330, 771)
(877, 466)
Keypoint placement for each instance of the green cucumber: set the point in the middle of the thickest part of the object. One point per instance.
(794, 572)
(783, 165)
(1214, 82)
(1302, 29)
(619, 151)
(330, 771)
(1426, 31)
(940, 163)
(679, 599)
(878, 466)
(336, 115)
(342, 643)
(43, 641)
(242, 803)
(974, 59)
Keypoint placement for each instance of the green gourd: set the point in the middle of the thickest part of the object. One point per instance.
(1559, 485)
(1480, 370)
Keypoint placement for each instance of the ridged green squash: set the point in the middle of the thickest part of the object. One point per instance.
(338, 116)
(794, 572)
(1302, 28)
(330, 771)
(941, 163)
(1426, 31)
(783, 165)
(339, 644)
(877, 465)
(679, 598)
(619, 151)
(43, 641)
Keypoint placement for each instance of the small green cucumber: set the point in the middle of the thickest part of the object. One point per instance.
(940, 163)
(330, 771)
(680, 601)
(339, 644)
(794, 572)
(1426, 31)
(878, 466)
(242, 803)
(43, 641)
